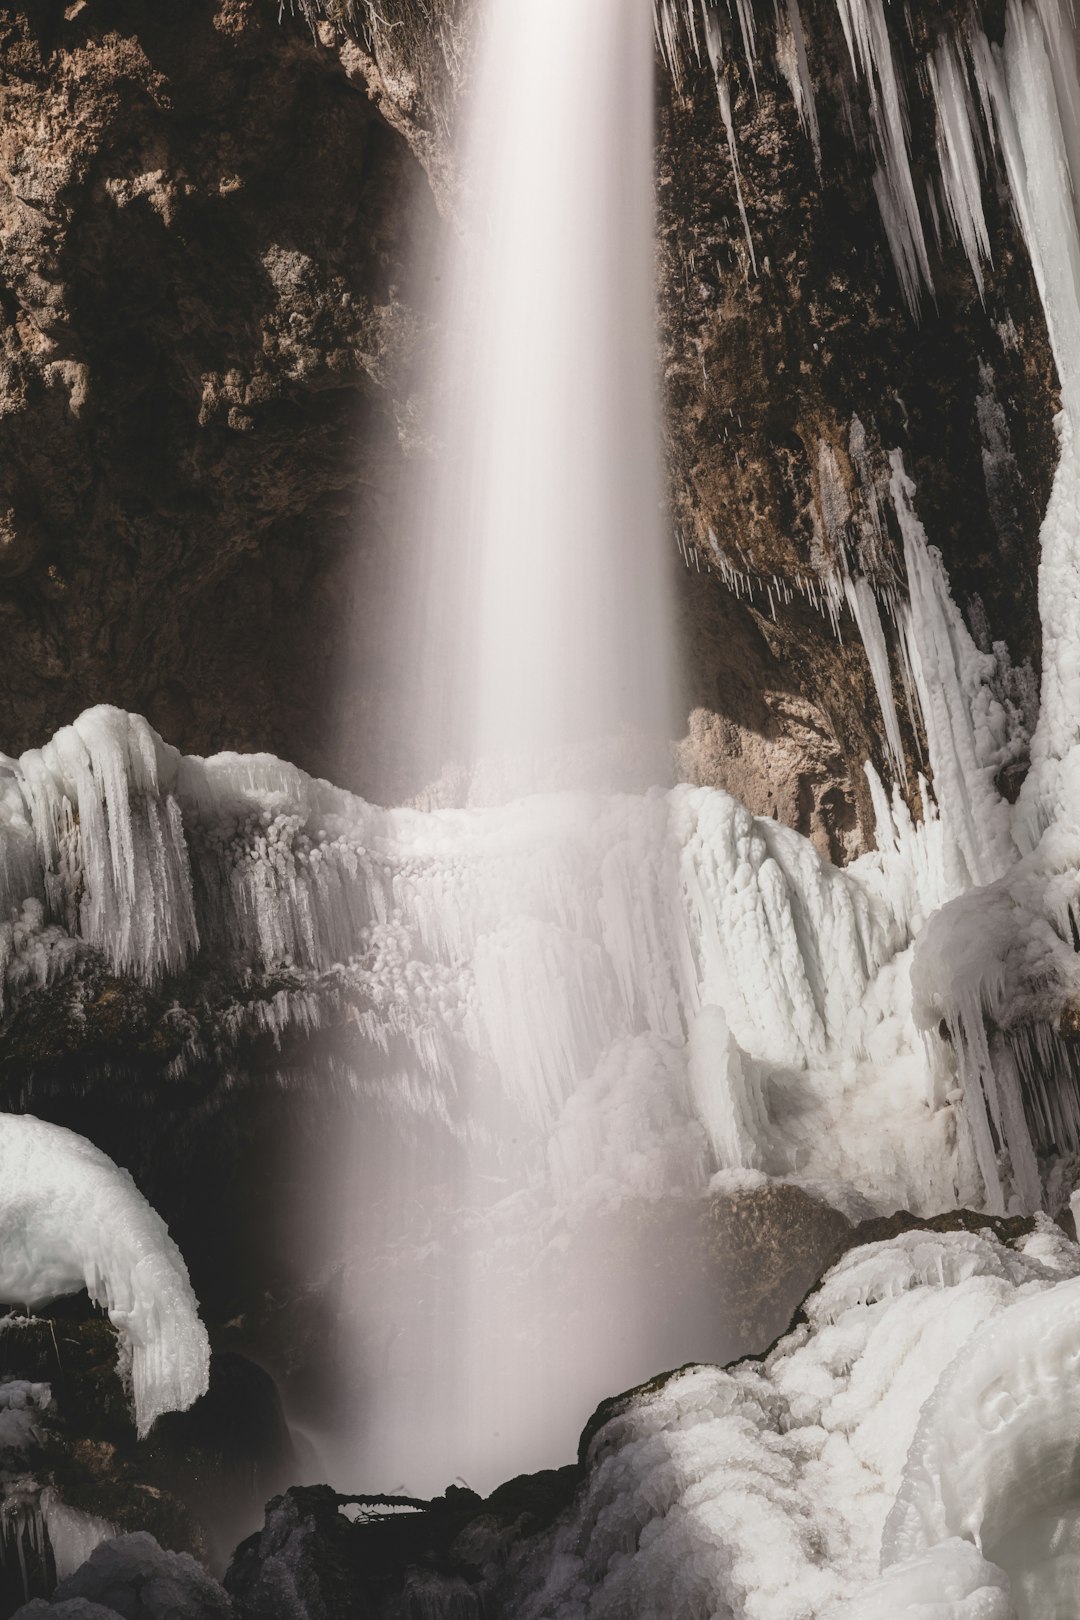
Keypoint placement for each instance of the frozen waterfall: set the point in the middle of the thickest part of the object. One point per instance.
(561, 1009)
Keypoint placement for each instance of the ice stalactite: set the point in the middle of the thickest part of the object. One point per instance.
(863, 603)
(998, 965)
(984, 97)
(967, 729)
(870, 48)
(728, 1095)
(70, 1219)
(112, 779)
(792, 60)
(959, 153)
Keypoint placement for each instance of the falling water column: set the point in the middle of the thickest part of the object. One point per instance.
(549, 568)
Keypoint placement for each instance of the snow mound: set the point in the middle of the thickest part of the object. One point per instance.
(71, 1219)
(132, 1576)
(924, 1411)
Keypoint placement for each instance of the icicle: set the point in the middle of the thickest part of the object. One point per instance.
(867, 37)
(965, 726)
(792, 61)
(724, 92)
(864, 610)
(745, 11)
(957, 155)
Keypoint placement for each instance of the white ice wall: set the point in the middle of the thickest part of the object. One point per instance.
(536, 940)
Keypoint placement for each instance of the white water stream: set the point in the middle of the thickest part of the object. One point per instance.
(547, 630)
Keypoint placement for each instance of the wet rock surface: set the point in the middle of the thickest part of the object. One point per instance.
(195, 1483)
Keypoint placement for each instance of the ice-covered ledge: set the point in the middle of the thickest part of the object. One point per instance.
(665, 986)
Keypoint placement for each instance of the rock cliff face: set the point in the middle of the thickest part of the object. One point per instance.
(207, 242)
(793, 367)
(215, 230)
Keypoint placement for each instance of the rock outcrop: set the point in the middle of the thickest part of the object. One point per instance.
(214, 237)
(210, 245)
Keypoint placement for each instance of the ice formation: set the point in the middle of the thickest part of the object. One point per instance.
(907, 1452)
(658, 969)
(580, 949)
(997, 968)
(70, 1219)
(132, 1576)
(661, 988)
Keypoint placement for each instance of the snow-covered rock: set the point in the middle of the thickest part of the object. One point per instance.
(71, 1219)
(134, 1578)
(924, 1410)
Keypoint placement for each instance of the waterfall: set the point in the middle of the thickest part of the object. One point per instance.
(544, 634)
(577, 1011)
(546, 623)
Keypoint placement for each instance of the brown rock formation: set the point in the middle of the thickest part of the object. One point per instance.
(208, 238)
(214, 228)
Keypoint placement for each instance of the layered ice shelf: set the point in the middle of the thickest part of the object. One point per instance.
(664, 971)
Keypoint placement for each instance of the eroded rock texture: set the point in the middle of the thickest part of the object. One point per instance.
(208, 236)
(215, 232)
(793, 367)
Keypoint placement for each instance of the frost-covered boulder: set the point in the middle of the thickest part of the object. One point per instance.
(71, 1219)
(924, 1407)
(136, 1579)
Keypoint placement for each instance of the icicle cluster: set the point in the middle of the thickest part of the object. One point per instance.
(999, 969)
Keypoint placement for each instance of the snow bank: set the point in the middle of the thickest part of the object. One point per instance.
(919, 1410)
(70, 1219)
